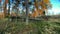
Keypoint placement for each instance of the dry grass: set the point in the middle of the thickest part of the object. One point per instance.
(1, 15)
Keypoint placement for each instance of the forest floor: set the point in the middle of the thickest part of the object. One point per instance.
(51, 26)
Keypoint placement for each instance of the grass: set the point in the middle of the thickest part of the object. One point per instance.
(34, 27)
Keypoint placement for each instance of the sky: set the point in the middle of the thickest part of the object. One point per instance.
(55, 7)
